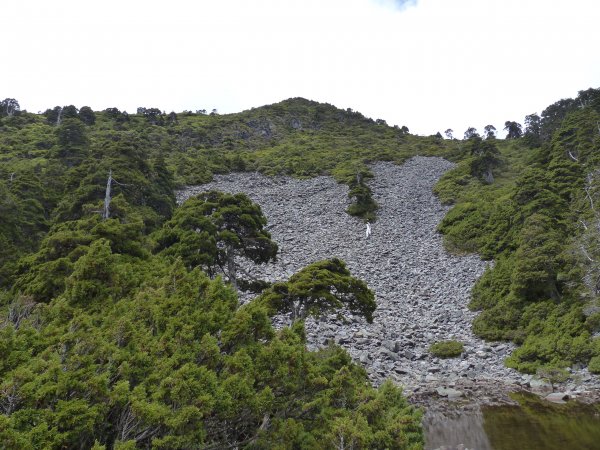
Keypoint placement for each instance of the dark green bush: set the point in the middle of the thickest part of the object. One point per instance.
(447, 349)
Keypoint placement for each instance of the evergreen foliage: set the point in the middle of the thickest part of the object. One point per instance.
(119, 332)
(170, 361)
(319, 288)
(538, 221)
(212, 229)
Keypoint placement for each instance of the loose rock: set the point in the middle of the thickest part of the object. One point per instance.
(557, 397)
(422, 291)
(449, 392)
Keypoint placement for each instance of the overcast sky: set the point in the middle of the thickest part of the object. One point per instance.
(426, 64)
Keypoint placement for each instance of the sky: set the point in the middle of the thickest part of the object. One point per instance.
(426, 64)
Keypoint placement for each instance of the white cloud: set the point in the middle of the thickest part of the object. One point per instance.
(432, 65)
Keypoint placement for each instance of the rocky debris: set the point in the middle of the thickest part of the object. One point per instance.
(432, 396)
(421, 291)
(452, 447)
(539, 386)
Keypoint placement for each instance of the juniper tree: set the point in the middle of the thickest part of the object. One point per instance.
(319, 288)
(514, 129)
(212, 229)
(486, 157)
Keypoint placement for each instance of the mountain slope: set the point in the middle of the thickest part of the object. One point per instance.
(107, 342)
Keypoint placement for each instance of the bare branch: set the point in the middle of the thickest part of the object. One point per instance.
(19, 310)
(9, 399)
(586, 254)
(572, 156)
(58, 118)
(589, 191)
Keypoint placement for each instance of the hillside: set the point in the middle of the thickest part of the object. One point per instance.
(538, 223)
(53, 164)
(422, 291)
(112, 338)
(119, 328)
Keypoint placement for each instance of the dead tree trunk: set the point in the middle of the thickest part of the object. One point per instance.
(59, 117)
(589, 243)
(106, 211)
(231, 268)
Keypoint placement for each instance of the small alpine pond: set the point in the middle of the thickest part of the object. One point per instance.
(533, 424)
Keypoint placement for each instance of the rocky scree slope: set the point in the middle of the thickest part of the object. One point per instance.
(421, 290)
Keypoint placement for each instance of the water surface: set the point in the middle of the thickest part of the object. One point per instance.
(533, 425)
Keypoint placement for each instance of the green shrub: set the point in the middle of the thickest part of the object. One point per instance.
(594, 365)
(553, 374)
(462, 228)
(592, 322)
(446, 349)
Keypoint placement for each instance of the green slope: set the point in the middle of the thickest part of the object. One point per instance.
(108, 340)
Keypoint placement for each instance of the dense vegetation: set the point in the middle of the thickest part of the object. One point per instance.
(539, 222)
(119, 325)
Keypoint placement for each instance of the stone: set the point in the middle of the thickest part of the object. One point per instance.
(557, 397)
(406, 354)
(389, 355)
(401, 370)
(342, 339)
(586, 377)
(390, 345)
(364, 357)
(449, 392)
(540, 386)
(362, 333)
